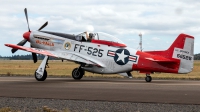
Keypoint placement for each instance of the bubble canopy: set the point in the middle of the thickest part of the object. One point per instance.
(108, 37)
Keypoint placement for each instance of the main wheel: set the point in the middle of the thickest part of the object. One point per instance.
(148, 78)
(38, 77)
(78, 73)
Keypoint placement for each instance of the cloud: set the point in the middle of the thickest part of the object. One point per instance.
(122, 18)
(90, 28)
(155, 38)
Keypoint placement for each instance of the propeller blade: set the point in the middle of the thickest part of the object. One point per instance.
(26, 14)
(21, 44)
(45, 24)
(14, 50)
(34, 57)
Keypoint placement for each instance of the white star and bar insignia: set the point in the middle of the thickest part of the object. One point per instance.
(121, 56)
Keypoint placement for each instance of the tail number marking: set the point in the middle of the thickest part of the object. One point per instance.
(182, 56)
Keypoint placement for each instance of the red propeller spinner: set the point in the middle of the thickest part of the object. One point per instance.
(26, 35)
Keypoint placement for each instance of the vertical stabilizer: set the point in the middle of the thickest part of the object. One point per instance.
(183, 50)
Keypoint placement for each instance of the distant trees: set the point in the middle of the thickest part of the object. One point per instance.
(25, 57)
(197, 56)
(41, 57)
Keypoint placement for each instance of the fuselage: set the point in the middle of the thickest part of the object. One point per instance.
(116, 59)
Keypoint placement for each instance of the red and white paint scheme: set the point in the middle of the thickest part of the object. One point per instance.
(104, 54)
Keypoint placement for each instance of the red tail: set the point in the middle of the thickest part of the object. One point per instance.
(180, 43)
(181, 51)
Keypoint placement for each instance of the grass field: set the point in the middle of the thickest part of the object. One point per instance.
(64, 69)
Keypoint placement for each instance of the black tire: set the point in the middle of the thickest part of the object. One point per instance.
(78, 73)
(148, 78)
(38, 78)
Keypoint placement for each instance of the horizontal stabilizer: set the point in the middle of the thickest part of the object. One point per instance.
(161, 60)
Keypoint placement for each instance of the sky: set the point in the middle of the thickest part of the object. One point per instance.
(159, 21)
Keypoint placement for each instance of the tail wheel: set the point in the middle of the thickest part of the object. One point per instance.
(78, 73)
(39, 77)
(148, 78)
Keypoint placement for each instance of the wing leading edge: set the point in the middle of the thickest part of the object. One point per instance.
(72, 56)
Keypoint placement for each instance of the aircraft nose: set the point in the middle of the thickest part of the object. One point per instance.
(26, 35)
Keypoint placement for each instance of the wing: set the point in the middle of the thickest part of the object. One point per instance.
(72, 56)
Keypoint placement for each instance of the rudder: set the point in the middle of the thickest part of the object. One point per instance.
(183, 50)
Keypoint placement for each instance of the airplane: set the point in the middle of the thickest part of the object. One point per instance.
(105, 54)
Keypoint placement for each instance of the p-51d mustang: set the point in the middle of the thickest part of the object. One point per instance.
(104, 54)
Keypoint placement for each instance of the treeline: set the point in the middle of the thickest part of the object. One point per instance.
(41, 57)
(197, 56)
(25, 57)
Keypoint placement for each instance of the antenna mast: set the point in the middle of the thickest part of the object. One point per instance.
(140, 41)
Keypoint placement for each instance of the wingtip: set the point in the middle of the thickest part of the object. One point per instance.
(6, 45)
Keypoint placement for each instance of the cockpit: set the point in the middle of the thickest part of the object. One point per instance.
(86, 37)
(100, 38)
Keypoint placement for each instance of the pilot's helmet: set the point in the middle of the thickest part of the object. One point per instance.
(91, 35)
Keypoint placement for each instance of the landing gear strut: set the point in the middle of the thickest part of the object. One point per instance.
(41, 73)
(148, 78)
(78, 73)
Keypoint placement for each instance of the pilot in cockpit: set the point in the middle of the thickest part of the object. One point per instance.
(89, 37)
(85, 37)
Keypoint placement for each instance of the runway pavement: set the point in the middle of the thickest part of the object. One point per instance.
(96, 89)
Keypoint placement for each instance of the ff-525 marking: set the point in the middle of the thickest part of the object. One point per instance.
(90, 50)
(105, 54)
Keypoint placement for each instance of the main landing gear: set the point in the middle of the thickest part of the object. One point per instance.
(148, 78)
(78, 73)
(41, 73)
